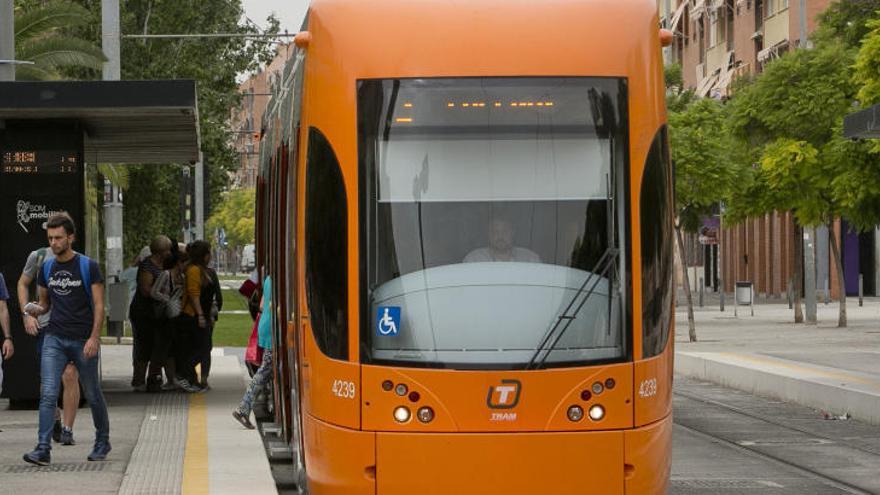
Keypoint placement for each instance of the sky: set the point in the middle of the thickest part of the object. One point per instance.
(289, 12)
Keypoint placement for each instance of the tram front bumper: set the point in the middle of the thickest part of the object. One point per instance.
(558, 463)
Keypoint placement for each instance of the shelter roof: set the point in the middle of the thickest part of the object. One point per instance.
(124, 121)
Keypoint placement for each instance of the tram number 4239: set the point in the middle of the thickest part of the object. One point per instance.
(344, 389)
(648, 388)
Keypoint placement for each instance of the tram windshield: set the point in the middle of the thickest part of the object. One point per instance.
(492, 221)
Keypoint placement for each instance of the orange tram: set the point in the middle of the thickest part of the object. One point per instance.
(466, 211)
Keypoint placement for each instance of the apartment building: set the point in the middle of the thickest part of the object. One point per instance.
(718, 40)
(715, 42)
(245, 119)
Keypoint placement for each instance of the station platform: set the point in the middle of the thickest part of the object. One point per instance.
(168, 443)
(835, 371)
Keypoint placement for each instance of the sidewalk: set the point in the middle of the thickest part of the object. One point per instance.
(162, 443)
(832, 369)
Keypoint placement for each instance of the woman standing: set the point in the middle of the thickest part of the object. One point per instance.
(212, 302)
(193, 318)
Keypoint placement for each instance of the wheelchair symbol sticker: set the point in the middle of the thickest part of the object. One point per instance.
(388, 321)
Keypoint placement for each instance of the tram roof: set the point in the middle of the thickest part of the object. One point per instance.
(410, 38)
(124, 121)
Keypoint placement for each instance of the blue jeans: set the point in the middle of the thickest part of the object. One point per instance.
(57, 352)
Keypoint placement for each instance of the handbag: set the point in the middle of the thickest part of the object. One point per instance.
(254, 353)
(166, 297)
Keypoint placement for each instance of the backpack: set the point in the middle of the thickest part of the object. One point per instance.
(83, 272)
(32, 290)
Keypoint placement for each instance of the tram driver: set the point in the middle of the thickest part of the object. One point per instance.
(501, 246)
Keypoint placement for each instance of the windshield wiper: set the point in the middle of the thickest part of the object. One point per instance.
(605, 263)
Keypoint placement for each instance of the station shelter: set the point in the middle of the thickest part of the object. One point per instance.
(52, 137)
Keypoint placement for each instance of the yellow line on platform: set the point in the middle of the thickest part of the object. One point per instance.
(195, 458)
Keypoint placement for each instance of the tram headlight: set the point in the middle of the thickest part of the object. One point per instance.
(401, 389)
(597, 412)
(575, 413)
(425, 414)
(401, 414)
(598, 388)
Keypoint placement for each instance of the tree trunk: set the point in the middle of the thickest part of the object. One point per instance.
(797, 272)
(841, 285)
(692, 329)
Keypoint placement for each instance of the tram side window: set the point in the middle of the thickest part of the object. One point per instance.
(326, 247)
(657, 246)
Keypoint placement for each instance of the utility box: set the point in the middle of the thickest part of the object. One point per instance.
(41, 173)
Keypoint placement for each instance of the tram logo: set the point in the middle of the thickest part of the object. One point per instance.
(504, 396)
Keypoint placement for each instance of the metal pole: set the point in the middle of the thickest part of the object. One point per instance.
(827, 292)
(810, 275)
(7, 40)
(113, 210)
(110, 39)
(803, 24)
(702, 289)
(200, 198)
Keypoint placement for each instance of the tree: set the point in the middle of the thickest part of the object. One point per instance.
(789, 117)
(236, 217)
(867, 66)
(42, 37)
(153, 198)
(703, 173)
(846, 21)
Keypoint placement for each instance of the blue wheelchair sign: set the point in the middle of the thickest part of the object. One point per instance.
(388, 321)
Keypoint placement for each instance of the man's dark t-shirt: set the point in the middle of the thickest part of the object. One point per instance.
(72, 313)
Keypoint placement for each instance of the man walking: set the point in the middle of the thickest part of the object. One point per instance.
(62, 431)
(71, 286)
(6, 348)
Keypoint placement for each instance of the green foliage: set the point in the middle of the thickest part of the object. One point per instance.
(236, 216)
(704, 173)
(800, 96)
(42, 36)
(786, 120)
(855, 168)
(846, 21)
(677, 96)
(672, 76)
(867, 67)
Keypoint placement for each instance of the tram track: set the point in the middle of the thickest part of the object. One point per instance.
(791, 466)
(780, 424)
(760, 451)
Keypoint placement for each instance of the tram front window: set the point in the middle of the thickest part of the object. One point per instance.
(492, 221)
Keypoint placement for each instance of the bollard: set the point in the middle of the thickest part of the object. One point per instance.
(702, 289)
(721, 284)
(790, 293)
(861, 290)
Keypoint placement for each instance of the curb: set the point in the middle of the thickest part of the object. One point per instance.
(828, 389)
